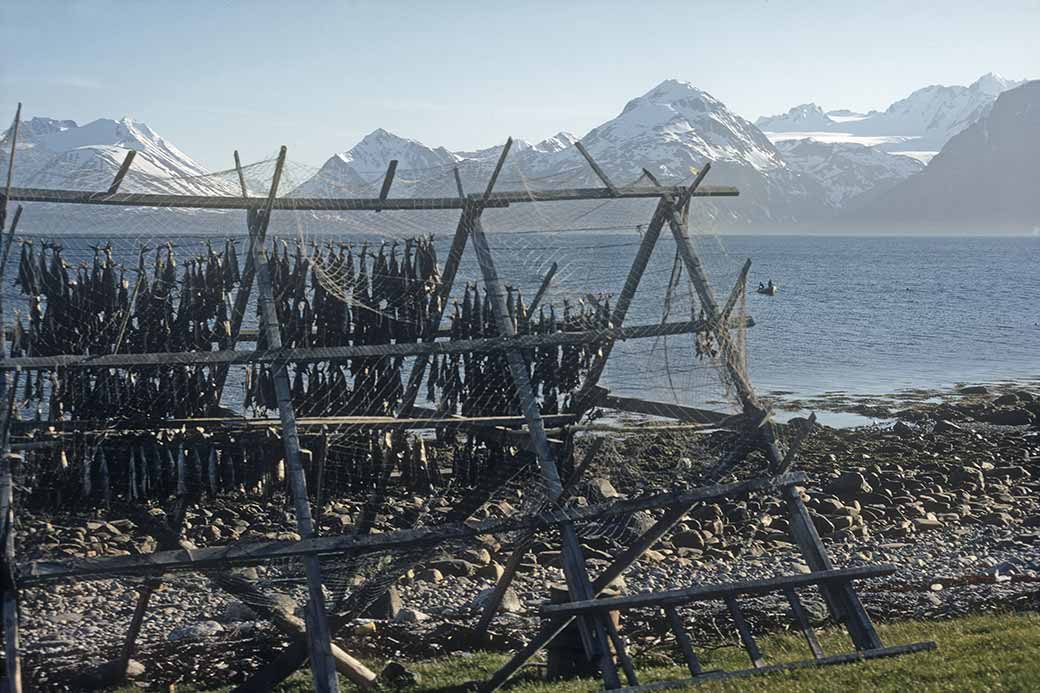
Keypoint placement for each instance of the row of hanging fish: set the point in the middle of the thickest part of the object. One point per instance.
(347, 296)
(102, 308)
(323, 298)
(481, 384)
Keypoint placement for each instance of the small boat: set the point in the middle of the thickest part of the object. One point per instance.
(767, 290)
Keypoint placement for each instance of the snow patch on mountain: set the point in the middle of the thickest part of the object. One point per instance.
(846, 170)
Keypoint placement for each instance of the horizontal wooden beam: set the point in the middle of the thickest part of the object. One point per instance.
(500, 199)
(244, 553)
(242, 423)
(709, 592)
(667, 410)
(339, 353)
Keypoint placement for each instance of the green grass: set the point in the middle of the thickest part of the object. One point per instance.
(977, 653)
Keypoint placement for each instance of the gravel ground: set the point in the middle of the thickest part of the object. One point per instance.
(948, 495)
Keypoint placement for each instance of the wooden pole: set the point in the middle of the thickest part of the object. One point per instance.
(149, 587)
(388, 180)
(502, 199)
(596, 169)
(348, 608)
(318, 634)
(542, 289)
(10, 167)
(241, 176)
(341, 353)
(451, 268)
(628, 291)
(12, 658)
(509, 572)
(124, 168)
(257, 224)
(8, 582)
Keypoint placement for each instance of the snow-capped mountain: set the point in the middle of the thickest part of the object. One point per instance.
(807, 117)
(360, 170)
(923, 121)
(671, 130)
(846, 170)
(987, 173)
(60, 154)
(935, 113)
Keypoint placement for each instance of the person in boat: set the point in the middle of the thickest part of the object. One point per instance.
(761, 286)
(770, 286)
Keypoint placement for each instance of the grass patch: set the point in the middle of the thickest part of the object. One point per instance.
(976, 653)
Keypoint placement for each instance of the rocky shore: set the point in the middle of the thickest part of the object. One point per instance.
(948, 490)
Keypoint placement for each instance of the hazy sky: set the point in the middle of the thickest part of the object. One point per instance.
(214, 76)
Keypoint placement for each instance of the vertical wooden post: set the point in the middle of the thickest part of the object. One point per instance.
(8, 584)
(257, 224)
(7, 579)
(318, 635)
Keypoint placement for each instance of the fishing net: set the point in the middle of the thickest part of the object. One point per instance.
(408, 451)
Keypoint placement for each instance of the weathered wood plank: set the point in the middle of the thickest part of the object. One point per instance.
(317, 354)
(244, 553)
(746, 637)
(596, 169)
(683, 638)
(709, 592)
(502, 199)
(124, 168)
(803, 622)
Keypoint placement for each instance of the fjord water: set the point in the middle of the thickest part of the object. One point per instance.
(864, 315)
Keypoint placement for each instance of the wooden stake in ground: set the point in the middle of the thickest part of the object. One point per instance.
(7, 578)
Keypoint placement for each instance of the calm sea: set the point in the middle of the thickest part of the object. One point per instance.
(863, 315)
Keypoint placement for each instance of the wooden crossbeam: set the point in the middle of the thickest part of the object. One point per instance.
(245, 553)
(498, 427)
(502, 199)
(710, 592)
(317, 354)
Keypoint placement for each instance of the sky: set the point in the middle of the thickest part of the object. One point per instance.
(216, 76)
